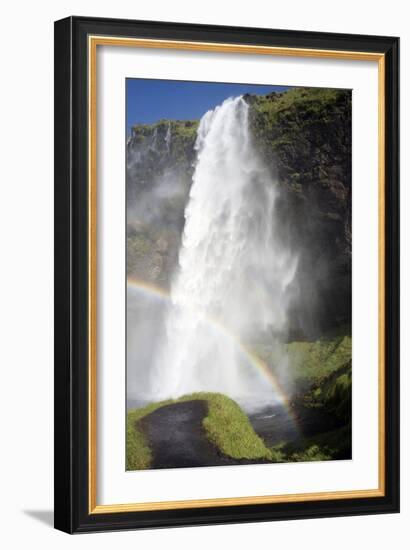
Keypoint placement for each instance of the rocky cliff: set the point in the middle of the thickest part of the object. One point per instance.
(304, 136)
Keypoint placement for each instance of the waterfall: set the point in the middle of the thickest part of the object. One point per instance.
(168, 137)
(233, 276)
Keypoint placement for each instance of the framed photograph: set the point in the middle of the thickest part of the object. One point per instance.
(226, 274)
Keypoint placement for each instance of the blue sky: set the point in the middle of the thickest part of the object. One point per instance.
(150, 100)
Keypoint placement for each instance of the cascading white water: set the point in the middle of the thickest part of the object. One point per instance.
(233, 272)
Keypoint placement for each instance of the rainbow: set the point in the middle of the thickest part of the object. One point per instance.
(252, 359)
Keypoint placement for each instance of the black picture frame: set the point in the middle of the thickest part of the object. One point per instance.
(71, 491)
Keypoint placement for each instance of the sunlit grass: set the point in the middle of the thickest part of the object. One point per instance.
(226, 426)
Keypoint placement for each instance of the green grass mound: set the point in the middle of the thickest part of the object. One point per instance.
(226, 425)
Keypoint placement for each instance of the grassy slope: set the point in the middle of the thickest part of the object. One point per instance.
(309, 362)
(225, 425)
(312, 362)
(332, 394)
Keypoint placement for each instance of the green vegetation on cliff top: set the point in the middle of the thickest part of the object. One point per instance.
(185, 128)
(307, 133)
(182, 134)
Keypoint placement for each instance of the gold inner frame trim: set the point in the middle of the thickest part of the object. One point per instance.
(93, 42)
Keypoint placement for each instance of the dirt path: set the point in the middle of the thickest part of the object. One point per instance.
(177, 438)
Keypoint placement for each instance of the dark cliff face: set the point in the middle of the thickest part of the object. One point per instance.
(304, 137)
(152, 149)
(160, 165)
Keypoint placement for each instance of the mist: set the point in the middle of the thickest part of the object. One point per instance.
(233, 278)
